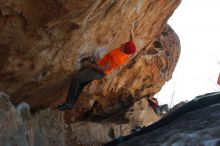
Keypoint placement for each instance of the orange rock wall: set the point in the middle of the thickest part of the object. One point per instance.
(41, 43)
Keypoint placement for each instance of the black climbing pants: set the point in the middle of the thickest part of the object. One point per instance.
(79, 81)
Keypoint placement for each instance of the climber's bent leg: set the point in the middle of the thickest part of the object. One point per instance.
(78, 82)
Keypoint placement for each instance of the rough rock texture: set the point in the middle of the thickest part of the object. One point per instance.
(41, 43)
(11, 124)
(48, 127)
(197, 128)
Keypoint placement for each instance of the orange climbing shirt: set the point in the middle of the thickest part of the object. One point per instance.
(114, 58)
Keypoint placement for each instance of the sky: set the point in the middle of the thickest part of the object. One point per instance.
(197, 23)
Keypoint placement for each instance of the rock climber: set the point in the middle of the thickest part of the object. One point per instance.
(91, 71)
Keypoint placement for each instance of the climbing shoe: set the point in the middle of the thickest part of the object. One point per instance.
(65, 106)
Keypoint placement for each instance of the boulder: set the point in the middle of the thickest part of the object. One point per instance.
(42, 42)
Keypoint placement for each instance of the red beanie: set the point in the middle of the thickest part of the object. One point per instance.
(129, 47)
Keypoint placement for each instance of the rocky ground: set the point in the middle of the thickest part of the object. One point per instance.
(195, 123)
(48, 127)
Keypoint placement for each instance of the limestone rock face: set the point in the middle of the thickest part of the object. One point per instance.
(48, 127)
(12, 126)
(42, 42)
(41, 45)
